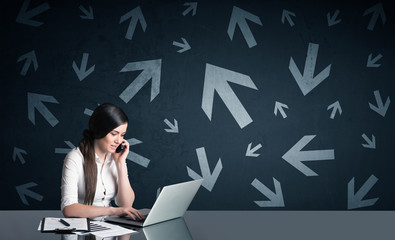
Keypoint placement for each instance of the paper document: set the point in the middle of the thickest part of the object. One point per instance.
(56, 224)
(103, 229)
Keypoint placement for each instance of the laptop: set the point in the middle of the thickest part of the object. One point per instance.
(172, 202)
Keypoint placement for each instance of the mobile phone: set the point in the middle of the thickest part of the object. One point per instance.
(120, 148)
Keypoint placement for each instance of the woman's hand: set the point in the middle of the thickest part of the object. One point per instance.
(121, 157)
(128, 211)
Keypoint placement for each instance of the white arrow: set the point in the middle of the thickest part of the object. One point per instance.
(287, 15)
(151, 70)
(35, 101)
(82, 73)
(370, 143)
(332, 20)
(308, 82)
(276, 198)
(377, 11)
(18, 153)
(295, 156)
(173, 127)
(88, 14)
(135, 15)
(65, 150)
(88, 112)
(251, 152)
(209, 178)
(30, 58)
(184, 46)
(23, 191)
(239, 17)
(373, 62)
(136, 158)
(192, 7)
(279, 107)
(355, 200)
(336, 108)
(216, 79)
(380, 109)
(25, 16)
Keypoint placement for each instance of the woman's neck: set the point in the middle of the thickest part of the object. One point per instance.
(100, 153)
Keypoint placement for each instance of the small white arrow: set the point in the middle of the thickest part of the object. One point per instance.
(173, 128)
(184, 46)
(251, 152)
(25, 16)
(279, 107)
(136, 158)
(276, 198)
(65, 150)
(373, 62)
(192, 7)
(370, 143)
(30, 58)
(377, 11)
(332, 20)
(23, 191)
(336, 108)
(88, 112)
(88, 14)
(18, 153)
(82, 73)
(35, 101)
(380, 109)
(355, 200)
(135, 15)
(287, 15)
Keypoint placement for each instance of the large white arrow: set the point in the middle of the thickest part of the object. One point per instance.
(65, 150)
(335, 108)
(35, 101)
(307, 81)
(25, 16)
(239, 17)
(136, 158)
(355, 199)
(151, 70)
(279, 107)
(276, 198)
(332, 20)
(23, 191)
(135, 15)
(381, 108)
(216, 80)
(30, 58)
(88, 14)
(377, 11)
(295, 156)
(209, 178)
(82, 72)
(192, 7)
(18, 153)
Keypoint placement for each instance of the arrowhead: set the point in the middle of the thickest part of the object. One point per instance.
(135, 15)
(81, 72)
(377, 11)
(35, 101)
(184, 46)
(25, 16)
(287, 14)
(18, 153)
(355, 200)
(192, 7)
(173, 128)
(251, 152)
(336, 107)
(30, 57)
(279, 107)
(380, 109)
(88, 14)
(276, 198)
(23, 191)
(370, 143)
(332, 20)
(372, 62)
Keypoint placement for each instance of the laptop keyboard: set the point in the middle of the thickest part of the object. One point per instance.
(137, 219)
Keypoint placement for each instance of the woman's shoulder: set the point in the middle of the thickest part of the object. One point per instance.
(74, 155)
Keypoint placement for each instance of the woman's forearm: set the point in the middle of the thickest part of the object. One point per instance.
(86, 211)
(125, 196)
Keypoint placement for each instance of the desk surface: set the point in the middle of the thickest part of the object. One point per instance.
(229, 225)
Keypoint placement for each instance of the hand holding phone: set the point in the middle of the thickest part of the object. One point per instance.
(120, 148)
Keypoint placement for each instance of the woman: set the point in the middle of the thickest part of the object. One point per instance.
(93, 173)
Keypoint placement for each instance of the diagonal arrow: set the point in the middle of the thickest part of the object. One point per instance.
(173, 127)
(276, 198)
(307, 82)
(332, 20)
(355, 200)
(135, 15)
(25, 16)
(335, 108)
(377, 11)
(151, 70)
(287, 15)
(136, 158)
(82, 73)
(30, 58)
(192, 6)
(216, 80)
(380, 109)
(373, 62)
(18, 153)
(239, 17)
(88, 14)
(209, 178)
(35, 101)
(23, 191)
(295, 156)
(184, 46)
(65, 150)
(251, 152)
(370, 143)
(279, 107)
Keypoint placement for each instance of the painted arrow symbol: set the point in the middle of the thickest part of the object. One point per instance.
(279, 107)
(332, 20)
(23, 191)
(287, 15)
(184, 46)
(173, 127)
(239, 17)
(355, 200)
(18, 153)
(35, 101)
(251, 152)
(82, 73)
(377, 11)
(380, 109)
(276, 198)
(192, 7)
(65, 150)
(88, 14)
(30, 58)
(307, 82)
(295, 156)
(216, 79)
(151, 70)
(370, 143)
(136, 158)
(209, 178)
(335, 108)
(135, 15)
(373, 62)
(25, 16)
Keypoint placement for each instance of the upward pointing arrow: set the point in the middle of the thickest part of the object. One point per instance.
(23, 191)
(336, 107)
(35, 101)
(355, 200)
(82, 73)
(216, 79)
(377, 11)
(18, 153)
(279, 107)
(381, 108)
(287, 15)
(25, 16)
(135, 15)
(192, 7)
(30, 58)
(308, 82)
(239, 17)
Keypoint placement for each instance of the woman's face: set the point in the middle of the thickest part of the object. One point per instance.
(112, 140)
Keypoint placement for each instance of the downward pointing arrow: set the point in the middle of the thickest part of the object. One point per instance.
(88, 14)
(373, 62)
(30, 58)
(135, 15)
(336, 107)
(377, 11)
(173, 128)
(35, 101)
(192, 7)
(380, 109)
(355, 201)
(370, 143)
(287, 15)
(25, 16)
(82, 73)
(18, 153)
(23, 190)
(276, 198)
(251, 152)
(332, 20)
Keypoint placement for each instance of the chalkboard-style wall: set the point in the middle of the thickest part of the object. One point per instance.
(280, 105)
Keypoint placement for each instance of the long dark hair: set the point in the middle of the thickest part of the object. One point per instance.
(104, 119)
